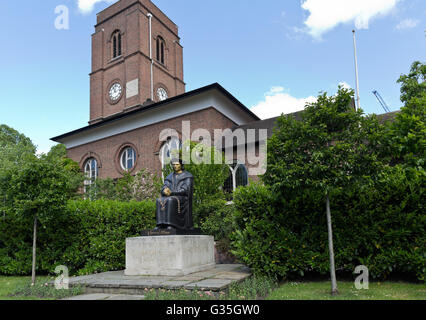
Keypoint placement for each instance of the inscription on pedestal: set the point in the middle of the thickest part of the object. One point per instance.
(170, 255)
(172, 232)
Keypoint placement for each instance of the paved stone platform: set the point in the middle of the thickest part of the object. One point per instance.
(105, 296)
(218, 278)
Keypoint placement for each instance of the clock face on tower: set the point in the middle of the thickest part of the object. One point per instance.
(115, 92)
(162, 94)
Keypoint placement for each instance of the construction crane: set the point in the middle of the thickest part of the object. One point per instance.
(382, 102)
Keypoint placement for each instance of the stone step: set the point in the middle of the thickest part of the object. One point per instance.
(216, 279)
(104, 296)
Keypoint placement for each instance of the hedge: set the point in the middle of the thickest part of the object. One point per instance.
(381, 227)
(89, 238)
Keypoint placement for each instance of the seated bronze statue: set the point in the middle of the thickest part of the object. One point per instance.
(174, 208)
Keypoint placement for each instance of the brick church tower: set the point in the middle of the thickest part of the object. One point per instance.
(136, 56)
(138, 103)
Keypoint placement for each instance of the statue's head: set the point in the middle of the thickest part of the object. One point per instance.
(177, 164)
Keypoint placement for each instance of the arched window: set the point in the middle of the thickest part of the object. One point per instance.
(116, 44)
(169, 149)
(238, 176)
(128, 158)
(160, 49)
(90, 172)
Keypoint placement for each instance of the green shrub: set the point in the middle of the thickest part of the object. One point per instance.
(104, 226)
(217, 220)
(89, 238)
(209, 178)
(142, 186)
(249, 289)
(379, 226)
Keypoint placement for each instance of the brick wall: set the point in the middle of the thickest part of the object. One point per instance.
(146, 141)
(130, 18)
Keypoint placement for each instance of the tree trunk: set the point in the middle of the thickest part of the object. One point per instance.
(33, 273)
(334, 290)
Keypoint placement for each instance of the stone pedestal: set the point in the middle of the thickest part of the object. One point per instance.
(169, 255)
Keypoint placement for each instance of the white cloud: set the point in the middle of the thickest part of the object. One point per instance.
(277, 101)
(345, 85)
(87, 6)
(327, 14)
(407, 24)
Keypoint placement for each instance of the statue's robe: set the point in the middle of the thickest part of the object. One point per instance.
(176, 210)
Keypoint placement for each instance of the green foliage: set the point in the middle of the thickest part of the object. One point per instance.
(88, 237)
(40, 187)
(46, 291)
(208, 167)
(14, 147)
(32, 187)
(142, 186)
(100, 230)
(250, 289)
(413, 85)
(217, 218)
(378, 208)
(380, 226)
(329, 149)
(256, 287)
(406, 136)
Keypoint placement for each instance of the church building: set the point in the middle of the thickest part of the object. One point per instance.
(138, 100)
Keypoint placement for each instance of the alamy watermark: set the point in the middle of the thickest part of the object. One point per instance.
(248, 146)
(62, 20)
(361, 282)
(62, 280)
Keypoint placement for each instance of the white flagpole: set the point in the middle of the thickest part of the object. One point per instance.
(356, 73)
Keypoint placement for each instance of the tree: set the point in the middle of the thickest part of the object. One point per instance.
(14, 150)
(328, 150)
(39, 189)
(413, 85)
(34, 187)
(406, 138)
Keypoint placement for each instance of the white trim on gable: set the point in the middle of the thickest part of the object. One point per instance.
(202, 101)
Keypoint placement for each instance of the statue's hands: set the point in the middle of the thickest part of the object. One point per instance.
(167, 192)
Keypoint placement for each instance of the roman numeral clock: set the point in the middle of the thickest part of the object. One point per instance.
(115, 92)
(162, 94)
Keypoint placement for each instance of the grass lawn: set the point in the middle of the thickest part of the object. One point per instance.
(321, 291)
(8, 285)
(312, 290)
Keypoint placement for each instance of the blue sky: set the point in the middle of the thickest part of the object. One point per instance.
(271, 55)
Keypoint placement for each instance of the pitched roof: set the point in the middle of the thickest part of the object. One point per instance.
(270, 123)
(145, 107)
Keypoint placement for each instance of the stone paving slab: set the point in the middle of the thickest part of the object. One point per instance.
(189, 277)
(106, 296)
(140, 283)
(126, 297)
(109, 283)
(209, 284)
(230, 275)
(174, 284)
(92, 296)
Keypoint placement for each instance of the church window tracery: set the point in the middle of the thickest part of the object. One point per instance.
(90, 172)
(116, 44)
(160, 49)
